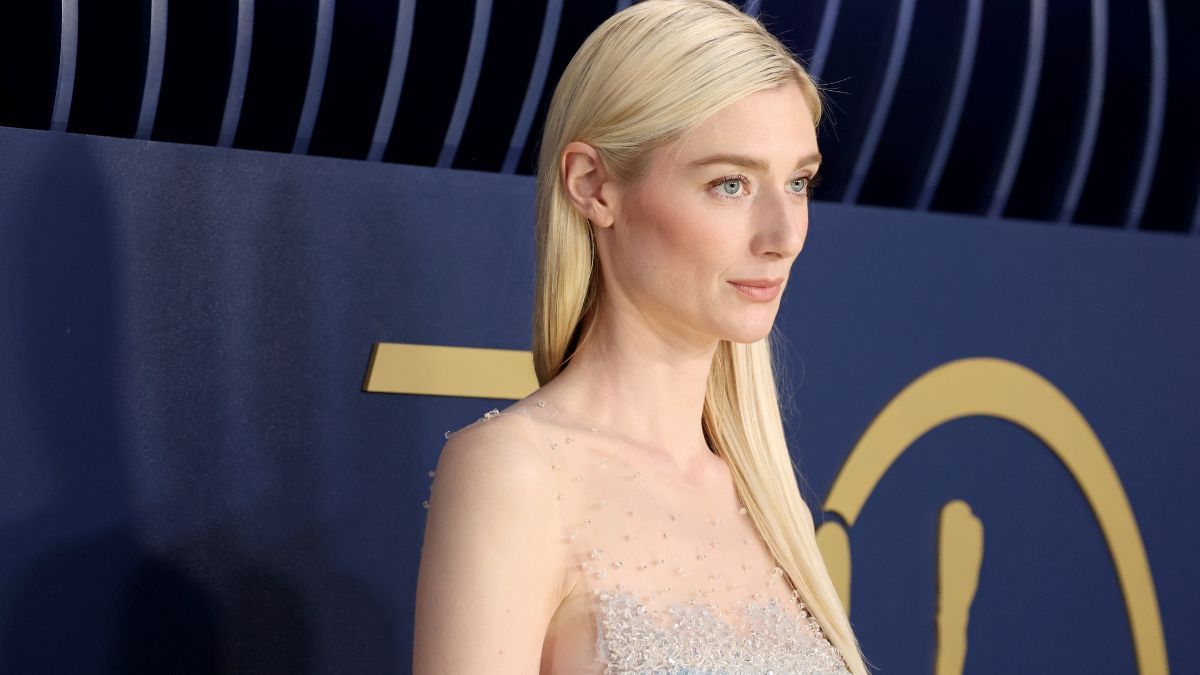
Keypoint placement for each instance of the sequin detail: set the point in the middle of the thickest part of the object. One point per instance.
(695, 639)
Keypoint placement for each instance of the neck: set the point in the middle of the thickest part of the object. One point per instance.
(642, 383)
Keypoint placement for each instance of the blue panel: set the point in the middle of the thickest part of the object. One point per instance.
(194, 481)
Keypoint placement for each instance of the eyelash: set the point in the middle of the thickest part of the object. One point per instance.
(813, 181)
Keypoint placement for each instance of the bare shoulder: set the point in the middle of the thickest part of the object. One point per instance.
(499, 451)
(491, 568)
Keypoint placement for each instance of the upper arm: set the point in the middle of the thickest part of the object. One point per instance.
(490, 571)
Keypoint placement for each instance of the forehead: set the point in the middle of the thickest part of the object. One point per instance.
(776, 124)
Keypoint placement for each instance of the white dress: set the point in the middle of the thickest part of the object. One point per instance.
(657, 589)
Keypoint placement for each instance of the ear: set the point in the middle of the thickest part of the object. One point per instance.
(586, 183)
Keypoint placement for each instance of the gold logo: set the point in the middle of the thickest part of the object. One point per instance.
(1003, 389)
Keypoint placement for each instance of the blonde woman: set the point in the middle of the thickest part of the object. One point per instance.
(640, 511)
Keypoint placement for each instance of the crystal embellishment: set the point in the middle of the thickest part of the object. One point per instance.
(763, 638)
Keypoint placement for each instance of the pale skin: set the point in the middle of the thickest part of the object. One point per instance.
(491, 575)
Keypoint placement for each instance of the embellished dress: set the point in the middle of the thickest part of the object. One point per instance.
(657, 584)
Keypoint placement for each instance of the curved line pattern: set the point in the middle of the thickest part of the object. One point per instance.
(883, 106)
(466, 90)
(1029, 87)
(1154, 117)
(156, 55)
(1196, 212)
(954, 107)
(238, 73)
(1091, 117)
(68, 49)
(537, 83)
(316, 77)
(824, 38)
(395, 80)
(992, 387)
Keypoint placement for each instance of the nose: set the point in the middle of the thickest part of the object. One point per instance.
(780, 225)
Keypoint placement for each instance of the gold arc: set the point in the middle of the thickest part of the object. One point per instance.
(834, 545)
(985, 386)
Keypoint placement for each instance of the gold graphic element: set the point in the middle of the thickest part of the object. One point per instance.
(835, 550)
(436, 370)
(1003, 389)
(960, 553)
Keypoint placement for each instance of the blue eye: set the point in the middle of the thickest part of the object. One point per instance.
(802, 183)
(735, 183)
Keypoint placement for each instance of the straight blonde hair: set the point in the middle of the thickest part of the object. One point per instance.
(643, 78)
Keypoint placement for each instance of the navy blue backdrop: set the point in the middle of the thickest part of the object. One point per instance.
(210, 212)
(193, 480)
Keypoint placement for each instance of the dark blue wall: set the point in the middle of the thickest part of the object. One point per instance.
(192, 479)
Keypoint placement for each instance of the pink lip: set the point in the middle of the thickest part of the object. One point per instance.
(761, 290)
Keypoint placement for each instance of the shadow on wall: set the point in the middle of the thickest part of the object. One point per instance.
(79, 593)
(80, 590)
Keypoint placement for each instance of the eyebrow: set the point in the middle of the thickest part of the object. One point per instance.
(749, 162)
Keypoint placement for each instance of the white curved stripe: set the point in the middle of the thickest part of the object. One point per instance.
(1196, 212)
(753, 7)
(537, 83)
(1154, 116)
(816, 65)
(1029, 87)
(398, 65)
(316, 76)
(466, 90)
(1091, 116)
(68, 49)
(238, 73)
(883, 105)
(954, 108)
(156, 55)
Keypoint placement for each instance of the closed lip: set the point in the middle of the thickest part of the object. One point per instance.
(757, 283)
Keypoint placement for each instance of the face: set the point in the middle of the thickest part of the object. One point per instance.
(726, 203)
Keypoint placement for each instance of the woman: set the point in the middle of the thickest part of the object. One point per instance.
(640, 512)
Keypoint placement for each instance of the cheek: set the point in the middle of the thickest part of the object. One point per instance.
(682, 247)
(696, 244)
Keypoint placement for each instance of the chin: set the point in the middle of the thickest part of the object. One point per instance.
(749, 333)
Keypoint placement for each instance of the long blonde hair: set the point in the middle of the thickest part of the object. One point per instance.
(644, 77)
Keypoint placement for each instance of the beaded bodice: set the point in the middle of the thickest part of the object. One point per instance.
(663, 578)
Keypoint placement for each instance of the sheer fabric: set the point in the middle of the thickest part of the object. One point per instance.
(663, 578)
